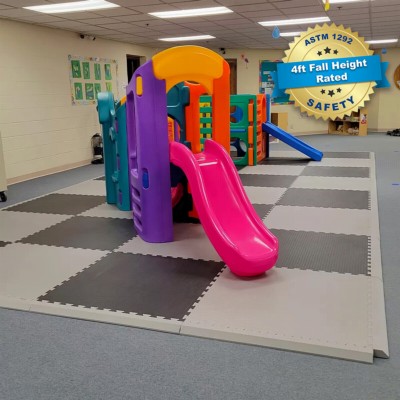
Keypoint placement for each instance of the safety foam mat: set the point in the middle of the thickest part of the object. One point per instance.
(70, 254)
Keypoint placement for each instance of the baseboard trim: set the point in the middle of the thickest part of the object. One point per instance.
(50, 171)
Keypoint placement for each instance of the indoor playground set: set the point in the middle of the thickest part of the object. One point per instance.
(167, 146)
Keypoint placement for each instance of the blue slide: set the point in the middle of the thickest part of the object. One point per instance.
(292, 141)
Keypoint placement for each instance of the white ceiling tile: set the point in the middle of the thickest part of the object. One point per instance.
(80, 15)
(116, 26)
(300, 3)
(115, 12)
(379, 5)
(92, 30)
(17, 13)
(384, 20)
(131, 23)
(345, 7)
(101, 21)
(252, 7)
(41, 19)
(154, 24)
(131, 3)
(136, 17)
(353, 13)
(184, 5)
(229, 3)
(263, 15)
(66, 24)
(307, 10)
(154, 8)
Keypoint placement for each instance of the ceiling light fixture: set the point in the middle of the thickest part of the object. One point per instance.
(382, 41)
(195, 12)
(299, 21)
(289, 34)
(187, 38)
(75, 6)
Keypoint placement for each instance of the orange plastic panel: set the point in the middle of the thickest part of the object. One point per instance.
(250, 110)
(188, 63)
(250, 134)
(192, 115)
(171, 130)
(221, 109)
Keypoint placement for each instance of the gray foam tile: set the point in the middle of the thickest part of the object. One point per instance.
(264, 195)
(351, 172)
(306, 311)
(323, 251)
(284, 161)
(346, 154)
(28, 270)
(107, 211)
(190, 241)
(282, 181)
(354, 199)
(17, 225)
(342, 162)
(66, 204)
(86, 233)
(262, 209)
(93, 187)
(318, 219)
(292, 155)
(331, 182)
(157, 286)
(287, 170)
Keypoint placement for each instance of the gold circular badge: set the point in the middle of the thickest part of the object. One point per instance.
(332, 98)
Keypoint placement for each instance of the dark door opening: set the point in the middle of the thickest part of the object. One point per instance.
(233, 80)
(132, 64)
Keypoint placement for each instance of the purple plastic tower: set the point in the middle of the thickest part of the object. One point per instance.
(148, 150)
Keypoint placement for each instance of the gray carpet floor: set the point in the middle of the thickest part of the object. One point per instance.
(47, 357)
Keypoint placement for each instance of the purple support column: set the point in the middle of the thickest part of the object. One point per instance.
(148, 149)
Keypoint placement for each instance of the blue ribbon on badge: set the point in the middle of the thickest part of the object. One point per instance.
(334, 71)
(383, 83)
(277, 92)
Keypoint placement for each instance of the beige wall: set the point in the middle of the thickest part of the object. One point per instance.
(386, 115)
(41, 130)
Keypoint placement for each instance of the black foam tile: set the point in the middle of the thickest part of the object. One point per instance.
(354, 199)
(345, 172)
(346, 154)
(159, 286)
(319, 251)
(262, 209)
(282, 181)
(57, 203)
(86, 232)
(3, 244)
(284, 161)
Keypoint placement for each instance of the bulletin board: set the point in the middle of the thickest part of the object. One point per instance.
(91, 75)
(266, 82)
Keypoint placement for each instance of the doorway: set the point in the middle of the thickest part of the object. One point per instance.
(132, 64)
(233, 78)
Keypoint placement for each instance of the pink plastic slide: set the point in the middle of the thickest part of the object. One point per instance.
(229, 219)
